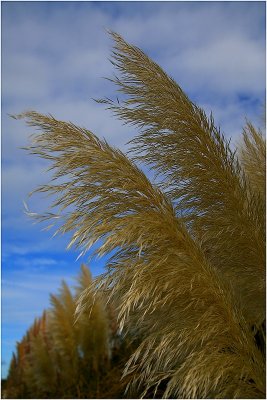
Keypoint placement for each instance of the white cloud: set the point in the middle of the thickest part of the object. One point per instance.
(28, 248)
(35, 286)
(26, 76)
(216, 66)
(65, 52)
(25, 291)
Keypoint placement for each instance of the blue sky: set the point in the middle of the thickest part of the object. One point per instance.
(54, 55)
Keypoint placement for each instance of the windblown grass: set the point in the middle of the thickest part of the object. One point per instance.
(187, 269)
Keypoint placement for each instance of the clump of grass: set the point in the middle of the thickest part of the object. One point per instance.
(58, 358)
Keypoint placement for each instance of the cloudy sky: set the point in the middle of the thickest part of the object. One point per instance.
(54, 58)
